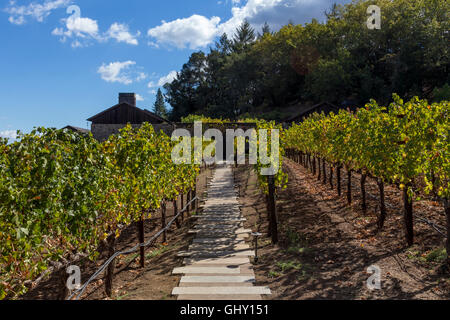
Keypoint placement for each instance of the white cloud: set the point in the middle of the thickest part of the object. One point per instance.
(84, 30)
(121, 33)
(163, 80)
(193, 32)
(80, 29)
(125, 72)
(34, 10)
(10, 134)
(139, 97)
(276, 13)
(116, 72)
(141, 76)
(199, 31)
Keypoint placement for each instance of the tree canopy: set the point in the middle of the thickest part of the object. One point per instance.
(160, 107)
(262, 73)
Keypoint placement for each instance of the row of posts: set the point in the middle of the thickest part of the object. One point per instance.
(184, 200)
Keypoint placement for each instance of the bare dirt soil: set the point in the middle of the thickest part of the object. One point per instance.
(324, 250)
(326, 245)
(131, 282)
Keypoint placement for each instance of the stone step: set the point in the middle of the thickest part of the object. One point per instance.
(217, 279)
(214, 227)
(219, 235)
(233, 223)
(212, 269)
(216, 284)
(234, 232)
(222, 261)
(221, 290)
(219, 215)
(216, 253)
(219, 218)
(198, 246)
(218, 240)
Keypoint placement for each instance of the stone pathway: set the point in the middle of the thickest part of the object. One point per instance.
(217, 265)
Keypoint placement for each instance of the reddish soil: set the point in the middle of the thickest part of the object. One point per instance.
(326, 245)
(324, 250)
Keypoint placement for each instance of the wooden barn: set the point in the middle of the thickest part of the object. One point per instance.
(111, 120)
(325, 107)
(126, 112)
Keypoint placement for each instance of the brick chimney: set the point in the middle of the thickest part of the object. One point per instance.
(129, 98)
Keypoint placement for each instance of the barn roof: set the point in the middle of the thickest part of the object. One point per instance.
(124, 113)
(77, 129)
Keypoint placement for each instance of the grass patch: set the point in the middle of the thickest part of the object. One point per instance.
(292, 236)
(438, 255)
(298, 250)
(303, 276)
(289, 265)
(158, 251)
(412, 254)
(434, 256)
(122, 296)
(131, 257)
(273, 274)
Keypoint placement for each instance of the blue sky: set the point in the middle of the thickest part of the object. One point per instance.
(61, 66)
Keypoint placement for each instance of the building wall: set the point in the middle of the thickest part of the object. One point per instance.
(101, 131)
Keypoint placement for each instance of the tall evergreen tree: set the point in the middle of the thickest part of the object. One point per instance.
(264, 30)
(160, 107)
(245, 35)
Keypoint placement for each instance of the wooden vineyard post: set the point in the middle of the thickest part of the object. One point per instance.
(181, 207)
(206, 178)
(175, 212)
(382, 217)
(140, 226)
(349, 186)
(314, 165)
(194, 194)
(188, 205)
(110, 270)
(324, 169)
(338, 178)
(408, 216)
(447, 214)
(363, 192)
(63, 276)
(272, 209)
(269, 230)
(319, 176)
(163, 220)
(331, 176)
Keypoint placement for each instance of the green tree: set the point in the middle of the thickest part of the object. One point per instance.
(264, 30)
(160, 107)
(336, 60)
(244, 37)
